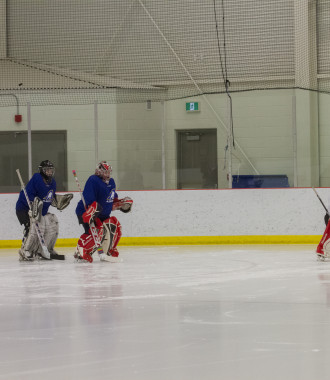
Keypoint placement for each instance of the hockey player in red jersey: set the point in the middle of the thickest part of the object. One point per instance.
(102, 231)
(323, 249)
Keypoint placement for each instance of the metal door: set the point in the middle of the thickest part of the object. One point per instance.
(197, 165)
(46, 145)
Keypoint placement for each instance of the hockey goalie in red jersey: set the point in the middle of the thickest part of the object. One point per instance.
(102, 231)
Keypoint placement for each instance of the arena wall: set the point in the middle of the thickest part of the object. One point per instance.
(130, 137)
(171, 217)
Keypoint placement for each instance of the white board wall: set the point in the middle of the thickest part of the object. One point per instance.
(234, 212)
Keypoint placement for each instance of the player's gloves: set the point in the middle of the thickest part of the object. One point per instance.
(91, 213)
(124, 204)
(36, 210)
(61, 201)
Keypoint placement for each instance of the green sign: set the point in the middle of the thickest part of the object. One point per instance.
(192, 107)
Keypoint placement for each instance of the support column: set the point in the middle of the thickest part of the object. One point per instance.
(3, 29)
(306, 101)
(96, 132)
(29, 139)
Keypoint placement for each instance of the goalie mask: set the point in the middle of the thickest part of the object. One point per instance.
(104, 170)
(47, 170)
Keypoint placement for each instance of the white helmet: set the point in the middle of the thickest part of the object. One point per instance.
(104, 170)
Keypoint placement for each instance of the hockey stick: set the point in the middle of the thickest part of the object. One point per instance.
(46, 253)
(92, 224)
(321, 201)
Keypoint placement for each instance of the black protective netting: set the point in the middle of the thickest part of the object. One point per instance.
(79, 51)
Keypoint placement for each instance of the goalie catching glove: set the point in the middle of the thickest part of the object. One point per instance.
(124, 204)
(61, 201)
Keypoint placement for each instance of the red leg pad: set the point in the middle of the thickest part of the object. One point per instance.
(86, 246)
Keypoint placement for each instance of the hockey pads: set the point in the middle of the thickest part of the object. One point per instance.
(124, 204)
(91, 213)
(112, 232)
(36, 209)
(48, 226)
(51, 231)
(61, 201)
(85, 248)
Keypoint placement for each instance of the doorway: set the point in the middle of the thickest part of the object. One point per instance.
(197, 165)
(46, 145)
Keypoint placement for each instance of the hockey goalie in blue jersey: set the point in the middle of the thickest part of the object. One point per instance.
(41, 191)
(99, 198)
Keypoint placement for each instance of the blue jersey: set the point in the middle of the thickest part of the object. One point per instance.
(37, 187)
(97, 190)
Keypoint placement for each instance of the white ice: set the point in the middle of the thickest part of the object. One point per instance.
(168, 313)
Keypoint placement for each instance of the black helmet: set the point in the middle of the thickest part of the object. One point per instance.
(47, 170)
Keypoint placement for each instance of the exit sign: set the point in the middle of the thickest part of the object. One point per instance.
(192, 107)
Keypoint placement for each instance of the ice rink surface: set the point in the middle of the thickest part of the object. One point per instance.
(168, 313)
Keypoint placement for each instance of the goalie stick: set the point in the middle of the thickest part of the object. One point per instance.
(321, 201)
(45, 253)
(95, 236)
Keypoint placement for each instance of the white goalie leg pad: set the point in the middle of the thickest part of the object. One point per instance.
(111, 236)
(107, 238)
(31, 244)
(326, 248)
(111, 228)
(50, 231)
